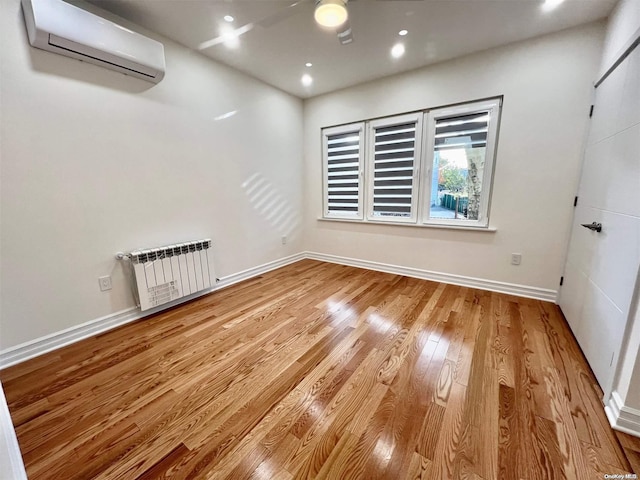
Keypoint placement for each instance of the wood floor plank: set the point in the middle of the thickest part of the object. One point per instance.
(318, 370)
(336, 462)
(487, 424)
(442, 465)
(628, 442)
(272, 466)
(358, 458)
(419, 468)
(634, 460)
(508, 442)
(481, 419)
(526, 379)
(430, 431)
(573, 460)
(551, 460)
(598, 463)
(162, 469)
(471, 329)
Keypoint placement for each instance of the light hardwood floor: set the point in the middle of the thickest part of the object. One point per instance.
(318, 370)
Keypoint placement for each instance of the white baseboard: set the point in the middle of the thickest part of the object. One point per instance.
(622, 418)
(11, 465)
(259, 270)
(483, 284)
(48, 343)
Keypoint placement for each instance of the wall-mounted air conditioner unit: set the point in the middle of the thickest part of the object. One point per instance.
(62, 28)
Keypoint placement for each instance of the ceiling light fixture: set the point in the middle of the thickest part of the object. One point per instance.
(330, 13)
(402, 33)
(549, 5)
(397, 51)
(306, 80)
(308, 64)
(228, 18)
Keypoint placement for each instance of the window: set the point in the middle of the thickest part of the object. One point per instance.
(460, 158)
(343, 148)
(395, 147)
(448, 182)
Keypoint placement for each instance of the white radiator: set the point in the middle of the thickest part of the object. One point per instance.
(167, 273)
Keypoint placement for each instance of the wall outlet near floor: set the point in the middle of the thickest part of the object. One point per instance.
(105, 283)
(284, 239)
(516, 258)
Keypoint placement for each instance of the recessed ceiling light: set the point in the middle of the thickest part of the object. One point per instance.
(397, 51)
(228, 18)
(306, 80)
(549, 5)
(308, 64)
(402, 33)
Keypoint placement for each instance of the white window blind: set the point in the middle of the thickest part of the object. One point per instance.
(464, 131)
(396, 154)
(343, 152)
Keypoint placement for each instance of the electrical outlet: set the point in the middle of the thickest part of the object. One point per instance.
(516, 258)
(105, 283)
(284, 239)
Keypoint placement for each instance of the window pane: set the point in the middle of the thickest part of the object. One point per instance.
(394, 155)
(343, 173)
(458, 166)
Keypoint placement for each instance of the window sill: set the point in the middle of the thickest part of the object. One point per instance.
(411, 225)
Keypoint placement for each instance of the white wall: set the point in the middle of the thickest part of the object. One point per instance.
(547, 88)
(93, 162)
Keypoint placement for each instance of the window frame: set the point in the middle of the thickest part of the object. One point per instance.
(359, 128)
(425, 120)
(371, 127)
(494, 107)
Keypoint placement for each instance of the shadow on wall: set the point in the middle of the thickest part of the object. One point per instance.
(54, 64)
(271, 205)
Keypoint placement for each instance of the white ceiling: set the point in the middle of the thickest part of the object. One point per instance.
(277, 50)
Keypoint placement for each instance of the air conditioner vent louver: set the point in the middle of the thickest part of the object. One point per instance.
(76, 49)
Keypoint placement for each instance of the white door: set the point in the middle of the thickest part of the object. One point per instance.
(602, 268)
